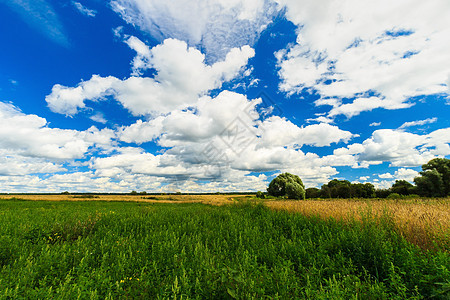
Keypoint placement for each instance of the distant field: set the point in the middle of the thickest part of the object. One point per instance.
(150, 250)
(216, 199)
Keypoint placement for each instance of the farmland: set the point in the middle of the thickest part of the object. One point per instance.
(222, 247)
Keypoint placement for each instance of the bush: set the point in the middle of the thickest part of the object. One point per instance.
(393, 196)
(260, 195)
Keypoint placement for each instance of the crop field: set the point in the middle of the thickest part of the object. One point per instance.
(424, 222)
(195, 247)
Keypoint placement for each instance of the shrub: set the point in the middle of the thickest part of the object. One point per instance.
(393, 196)
(260, 195)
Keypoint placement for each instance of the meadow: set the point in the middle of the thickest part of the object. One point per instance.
(195, 247)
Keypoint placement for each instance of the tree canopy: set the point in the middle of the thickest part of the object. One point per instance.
(288, 185)
(434, 180)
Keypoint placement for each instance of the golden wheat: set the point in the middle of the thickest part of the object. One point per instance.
(423, 222)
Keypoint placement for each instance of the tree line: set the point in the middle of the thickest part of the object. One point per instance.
(433, 181)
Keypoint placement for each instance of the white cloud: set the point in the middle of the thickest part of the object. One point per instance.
(99, 118)
(84, 10)
(182, 76)
(67, 100)
(141, 132)
(375, 124)
(28, 135)
(418, 123)
(16, 165)
(401, 149)
(405, 174)
(281, 132)
(367, 52)
(386, 176)
(400, 174)
(40, 15)
(214, 25)
(141, 61)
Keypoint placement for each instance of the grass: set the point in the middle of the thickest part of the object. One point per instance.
(424, 222)
(128, 250)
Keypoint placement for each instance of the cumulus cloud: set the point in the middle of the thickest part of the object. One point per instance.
(220, 135)
(405, 174)
(281, 132)
(367, 52)
(386, 176)
(30, 136)
(213, 25)
(12, 164)
(399, 148)
(84, 10)
(182, 76)
(68, 100)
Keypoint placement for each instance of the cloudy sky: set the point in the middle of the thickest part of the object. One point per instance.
(220, 95)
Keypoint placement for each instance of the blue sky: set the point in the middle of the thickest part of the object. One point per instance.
(214, 95)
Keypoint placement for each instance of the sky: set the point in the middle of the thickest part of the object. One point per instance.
(220, 95)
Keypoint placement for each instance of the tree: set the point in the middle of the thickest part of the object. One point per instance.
(362, 190)
(312, 193)
(279, 186)
(430, 184)
(435, 178)
(382, 193)
(295, 191)
(402, 187)
(336, 189)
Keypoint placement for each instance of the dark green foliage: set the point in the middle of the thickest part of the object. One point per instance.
(393, 196)
(336, 189)
(362, 190)
(277, 186)
(107, 250)
(312, 193)
(295, 191)
(435, 178)
(382, 193)
(402, 187)
(442, 166)
(260, 195)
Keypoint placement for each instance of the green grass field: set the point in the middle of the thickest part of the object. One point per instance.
(129, 250)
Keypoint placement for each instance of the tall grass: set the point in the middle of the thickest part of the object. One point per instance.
(424, 222)
(126, 250)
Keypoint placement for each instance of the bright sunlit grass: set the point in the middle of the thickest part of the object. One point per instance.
(111, 250)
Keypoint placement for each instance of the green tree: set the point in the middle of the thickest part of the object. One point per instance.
(402, 187)
(362, 190)
(430, 184)
(434, 180)
(336, 189)
(278, 186)
(295, 191)
(312, 193)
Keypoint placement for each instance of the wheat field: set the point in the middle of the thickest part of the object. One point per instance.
(421, 221)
